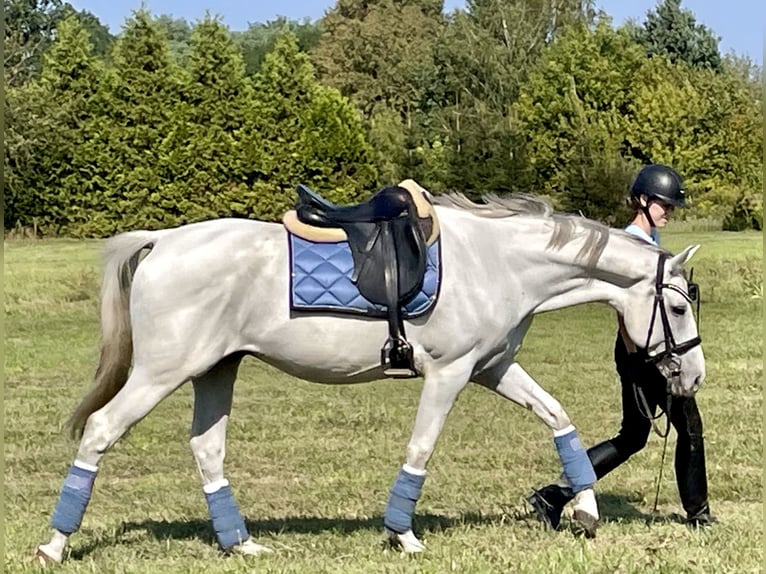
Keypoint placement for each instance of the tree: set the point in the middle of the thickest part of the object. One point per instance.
(668, 120)
(177, 33)
(572, 112)
(98, 34)
(674, 32)
(206, 170)
(48, 173)
(380, 55)
(144, 94)
(487, 51)
(706, 124)
(483, 58)
(360, 55)
(29, 30)
(303, 131)
(258, 40)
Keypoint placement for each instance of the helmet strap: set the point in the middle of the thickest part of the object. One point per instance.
(645, 210)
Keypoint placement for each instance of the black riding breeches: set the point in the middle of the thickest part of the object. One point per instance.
(635, 428)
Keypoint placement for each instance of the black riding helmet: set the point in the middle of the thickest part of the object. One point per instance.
(661, 182)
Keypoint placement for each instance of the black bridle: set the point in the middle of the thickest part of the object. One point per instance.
(670, 356)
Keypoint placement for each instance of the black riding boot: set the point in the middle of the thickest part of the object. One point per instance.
(605, 457)
(691, 474)
(549, 501)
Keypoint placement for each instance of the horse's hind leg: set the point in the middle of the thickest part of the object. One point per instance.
(440, 389)
(213, 394)
(514, 383)
(141, 393)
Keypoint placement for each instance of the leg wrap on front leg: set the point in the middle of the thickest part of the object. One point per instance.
(74, 498)
(401, 502)
(574, 459)
(229, 526)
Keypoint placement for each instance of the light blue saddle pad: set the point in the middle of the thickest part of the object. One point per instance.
(320, 280)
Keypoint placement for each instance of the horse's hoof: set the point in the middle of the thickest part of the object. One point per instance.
(250, 548)
(45, 556)
(407, 541)
(587, 522)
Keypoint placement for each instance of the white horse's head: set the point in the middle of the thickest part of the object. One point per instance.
(659, 317)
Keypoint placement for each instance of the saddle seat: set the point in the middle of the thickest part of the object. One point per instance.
(388, 236)
(320, 220)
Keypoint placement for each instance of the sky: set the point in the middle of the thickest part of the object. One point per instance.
(740, 24)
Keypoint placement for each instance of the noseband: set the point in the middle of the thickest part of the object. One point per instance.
(672, 352)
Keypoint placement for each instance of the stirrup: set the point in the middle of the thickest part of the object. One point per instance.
(397, 360)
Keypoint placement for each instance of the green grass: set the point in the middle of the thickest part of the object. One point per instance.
(728, 265)
(311, 465)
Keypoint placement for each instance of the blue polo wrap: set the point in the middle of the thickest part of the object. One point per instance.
(575, 462)
(401, 502)
(73, 500)
(229, 526)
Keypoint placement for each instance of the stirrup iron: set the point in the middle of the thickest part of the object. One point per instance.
(397, 360)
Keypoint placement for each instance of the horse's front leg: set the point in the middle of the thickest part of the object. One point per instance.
(514, 383)
(213, 393)
(440, 389)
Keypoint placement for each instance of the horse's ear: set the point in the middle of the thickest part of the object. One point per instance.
(677, 262)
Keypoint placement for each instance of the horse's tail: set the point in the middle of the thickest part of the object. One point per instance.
(121, 259)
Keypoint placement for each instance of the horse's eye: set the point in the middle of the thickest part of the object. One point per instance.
(678, 310)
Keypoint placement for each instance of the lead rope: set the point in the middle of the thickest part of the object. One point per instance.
(664, 451)
(643, 407)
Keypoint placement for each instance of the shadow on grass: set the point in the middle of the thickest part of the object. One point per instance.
(620, 508)
(613, 507)
(202, 530)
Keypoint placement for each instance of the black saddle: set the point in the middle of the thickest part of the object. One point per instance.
(388, 245)
(389, 203)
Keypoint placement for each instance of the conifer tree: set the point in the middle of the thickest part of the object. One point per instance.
(673, 32)
(207, 171)
(53, 179)
(303, 132)
(145, 94)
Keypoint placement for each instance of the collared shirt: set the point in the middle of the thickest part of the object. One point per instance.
(634, 229)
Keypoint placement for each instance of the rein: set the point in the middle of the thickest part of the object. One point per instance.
(643, 408)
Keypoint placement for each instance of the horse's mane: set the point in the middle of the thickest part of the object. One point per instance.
(565, 225)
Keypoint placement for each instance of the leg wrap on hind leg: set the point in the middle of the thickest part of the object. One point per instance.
(74, 498)
(401, 502)
(574, 459)
(229, 526)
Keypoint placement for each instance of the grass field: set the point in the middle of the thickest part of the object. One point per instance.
(311, 465)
